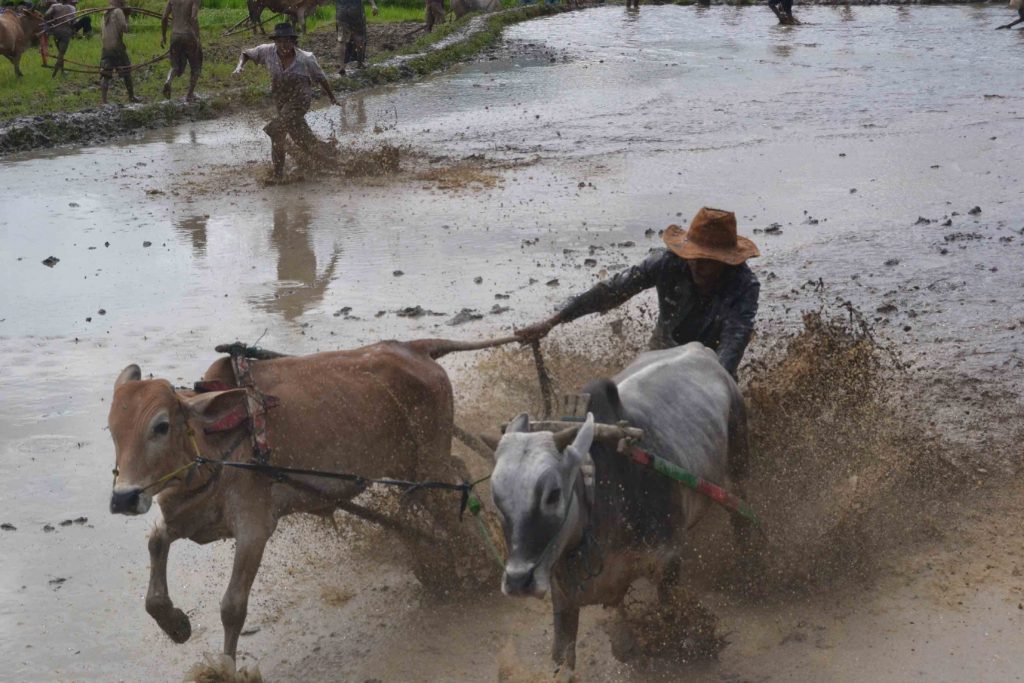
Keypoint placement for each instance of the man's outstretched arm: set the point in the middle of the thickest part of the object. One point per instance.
(603, 296)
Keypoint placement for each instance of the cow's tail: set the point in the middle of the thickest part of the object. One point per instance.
(436, 348)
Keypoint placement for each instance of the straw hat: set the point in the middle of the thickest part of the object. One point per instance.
(712, 235)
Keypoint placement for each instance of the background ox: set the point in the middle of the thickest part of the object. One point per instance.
(381, 410)
(558, 508)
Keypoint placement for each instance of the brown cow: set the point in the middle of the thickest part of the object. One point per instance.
(380, 410)
(18, 28)
(297, 10)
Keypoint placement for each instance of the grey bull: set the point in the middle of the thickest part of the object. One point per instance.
(583, 523)
(379, 411)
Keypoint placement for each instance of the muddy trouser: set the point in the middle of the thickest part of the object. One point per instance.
(186, 50)
(291, 123)
(84, 25)
(435, 14)
(112, 61)
(352, 36)
(61, 39)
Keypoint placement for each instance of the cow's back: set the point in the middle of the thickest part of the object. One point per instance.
(12, 38)
(683, 399)
(370, 408)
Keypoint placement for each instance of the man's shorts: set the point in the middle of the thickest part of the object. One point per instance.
(114, 60)
(186, 50)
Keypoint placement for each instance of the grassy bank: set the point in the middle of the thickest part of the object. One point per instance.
(222, 93)
(38, 93)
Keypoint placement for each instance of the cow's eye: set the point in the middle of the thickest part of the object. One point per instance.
(162, 428)
(552, 497)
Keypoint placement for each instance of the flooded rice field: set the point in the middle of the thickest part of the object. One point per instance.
(873, 153)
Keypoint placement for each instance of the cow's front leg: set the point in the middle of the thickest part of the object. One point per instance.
(172, 620)
(567, 625)
(233, 607)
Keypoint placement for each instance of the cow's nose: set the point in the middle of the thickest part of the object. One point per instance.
(125, 502)
(519, 581)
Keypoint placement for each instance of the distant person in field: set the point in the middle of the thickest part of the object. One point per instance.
(784, 11)
(293, 72)
(114, 57)
(350, 24)
(186, 47)
(435, 13)
(60, 25)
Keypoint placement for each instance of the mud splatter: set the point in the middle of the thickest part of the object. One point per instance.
(220, 669)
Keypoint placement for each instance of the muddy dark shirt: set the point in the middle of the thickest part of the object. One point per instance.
(723, 321)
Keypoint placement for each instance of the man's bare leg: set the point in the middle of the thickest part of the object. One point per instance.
(193, 79)
(167, 84)
(130, 87)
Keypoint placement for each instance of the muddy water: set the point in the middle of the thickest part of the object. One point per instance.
(844, 131)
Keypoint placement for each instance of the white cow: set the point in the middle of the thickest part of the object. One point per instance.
(585, 522)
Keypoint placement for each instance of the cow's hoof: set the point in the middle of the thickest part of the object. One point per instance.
(177, 626)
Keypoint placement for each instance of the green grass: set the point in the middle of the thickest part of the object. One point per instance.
(38, 93)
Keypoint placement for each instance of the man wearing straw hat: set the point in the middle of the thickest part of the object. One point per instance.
(706, 291)
(293, 72)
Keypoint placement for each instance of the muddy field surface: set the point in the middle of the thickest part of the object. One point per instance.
(872, 154)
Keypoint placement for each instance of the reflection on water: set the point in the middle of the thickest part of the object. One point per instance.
(194, 228)
(299, 287)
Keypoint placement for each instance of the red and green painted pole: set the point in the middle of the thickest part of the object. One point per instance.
(702, 486)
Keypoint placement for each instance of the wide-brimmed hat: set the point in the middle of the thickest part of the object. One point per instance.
(712, 235)
(284, 30)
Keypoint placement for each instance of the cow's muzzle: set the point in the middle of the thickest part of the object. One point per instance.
(130, 501)
(519, 582)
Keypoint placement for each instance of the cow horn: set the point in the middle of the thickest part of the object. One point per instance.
(132, 373)
(565, 437)
(491, 441)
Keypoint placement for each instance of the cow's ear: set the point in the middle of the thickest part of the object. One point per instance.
(520, 424)
(132, 373)
(212, 406)
(579, 449)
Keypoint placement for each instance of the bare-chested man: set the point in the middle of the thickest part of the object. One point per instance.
(60, 24)
(185, 45)
(114, 54)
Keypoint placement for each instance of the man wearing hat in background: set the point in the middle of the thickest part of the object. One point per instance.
(706, 291)
(293, 72)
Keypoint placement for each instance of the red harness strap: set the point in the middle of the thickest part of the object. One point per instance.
(257, 406)
(253, 412)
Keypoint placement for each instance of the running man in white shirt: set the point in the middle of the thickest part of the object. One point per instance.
(293, 72)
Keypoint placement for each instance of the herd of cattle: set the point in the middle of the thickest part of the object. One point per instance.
(387, 410)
